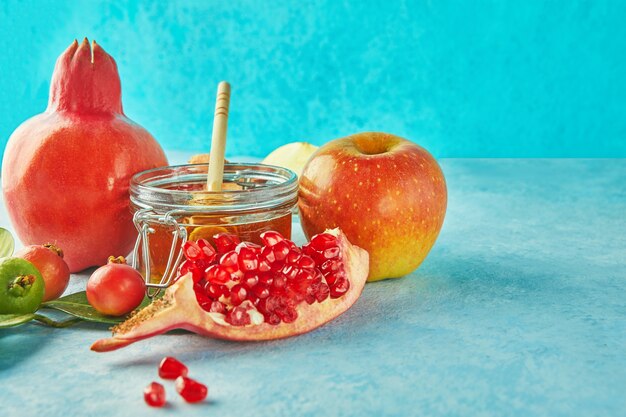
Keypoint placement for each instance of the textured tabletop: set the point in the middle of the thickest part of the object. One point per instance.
(519, 310)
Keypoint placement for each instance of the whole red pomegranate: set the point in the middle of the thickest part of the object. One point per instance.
(66, 172)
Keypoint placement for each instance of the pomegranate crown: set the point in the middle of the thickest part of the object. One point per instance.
(85, 80)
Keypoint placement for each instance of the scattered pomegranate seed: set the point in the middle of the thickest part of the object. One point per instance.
(191, 390)
(154, 395)
(172, 368)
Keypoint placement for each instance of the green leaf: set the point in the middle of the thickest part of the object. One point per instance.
(11, 320)
(59, 324)
(7, 243)
(77, 305)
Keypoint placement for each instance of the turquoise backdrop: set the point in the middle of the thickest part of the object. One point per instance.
(463, 78)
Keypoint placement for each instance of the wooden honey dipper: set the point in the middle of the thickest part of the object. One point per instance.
(215, 177)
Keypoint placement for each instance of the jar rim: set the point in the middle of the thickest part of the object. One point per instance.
(279, 187)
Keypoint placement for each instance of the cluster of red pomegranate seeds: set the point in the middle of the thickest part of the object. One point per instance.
(191, 390)
(242, 279)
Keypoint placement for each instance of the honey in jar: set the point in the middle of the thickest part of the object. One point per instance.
(171, 205)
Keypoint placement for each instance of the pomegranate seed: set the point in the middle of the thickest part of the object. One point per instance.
(217, 307)
(322, 292)
(331, 265)
(248, 245)
(238, 316)
(305, 275)
(272, 303)
(217, 274)
(287, 314)
(192, 391)
(273, 319)
(281, 250)
(172, 368)
(268, 254)
(309, 298)
(280, 281)
(306, 262)
(190, 266)
(323, 241)
(215, 291)
(201, 297)
(331, 278)
(229, 260)
(192, 251)
(290, 271)
(202, 243)
(293, 257)
(339, 288)
(238, 294)
(261, 290)
(264, 266)
(207, 250)
(253, 298)
(225, 242)
(277, 266)
(250, 280)
(248, 260)
(266, 278)
(270, 238)
(154, 395)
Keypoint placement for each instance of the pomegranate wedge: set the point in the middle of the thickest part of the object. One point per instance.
(252, 292)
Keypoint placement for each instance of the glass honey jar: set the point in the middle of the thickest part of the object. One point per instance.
(171, 205)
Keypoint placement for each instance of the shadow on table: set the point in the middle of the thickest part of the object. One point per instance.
(20, 343)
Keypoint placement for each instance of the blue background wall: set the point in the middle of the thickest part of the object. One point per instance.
(464, 78)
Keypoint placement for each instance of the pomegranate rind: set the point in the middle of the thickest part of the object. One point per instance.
(178, 309)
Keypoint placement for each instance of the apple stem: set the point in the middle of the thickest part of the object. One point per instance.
(215, 176)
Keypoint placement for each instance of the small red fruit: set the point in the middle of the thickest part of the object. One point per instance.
(115, 289)
(191, 390)
(172, 368)
(48, 259)
(154, 395)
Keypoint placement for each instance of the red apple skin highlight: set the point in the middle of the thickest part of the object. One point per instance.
(386, 193)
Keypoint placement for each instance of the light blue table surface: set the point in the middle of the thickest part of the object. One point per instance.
(519, 310)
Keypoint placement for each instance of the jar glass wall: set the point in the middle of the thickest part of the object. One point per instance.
(254, 198)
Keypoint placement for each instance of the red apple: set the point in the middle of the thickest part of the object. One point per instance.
(387, 194)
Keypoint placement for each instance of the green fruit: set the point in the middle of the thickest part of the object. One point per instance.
(21, 286)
